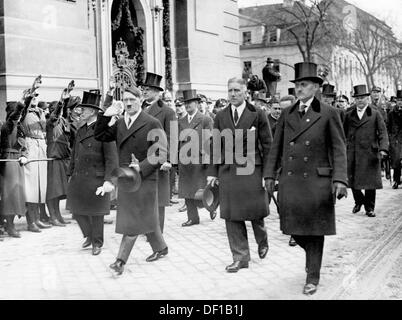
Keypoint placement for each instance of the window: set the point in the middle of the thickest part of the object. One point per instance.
(246, 37)
(273, 36)
(247, 67)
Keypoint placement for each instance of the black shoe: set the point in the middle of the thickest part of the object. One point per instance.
(236, 266)
(118, 267)
(189, 223)
(183, 208)
(157, 255)
(12, 232)
(263, 250)
(56, 223)
(212, 215)
(370, 214)
(395, 185)
(292, 242)
(87, 243)
(309, 289)
(356, 208)
(33, 228)
(42, 225)
(96, 250)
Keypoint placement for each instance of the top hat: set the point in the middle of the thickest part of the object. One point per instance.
(209, 196)
(292, 91)
(91, 99)
(189, 95)
(328, 90)
(399, 94)
(153, 80)
(270, 60)
(307, 71)
(360, 91)
(376, 88)
(127, 179)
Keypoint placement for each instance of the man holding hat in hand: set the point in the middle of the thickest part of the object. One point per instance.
(309, 146)
(367, 143)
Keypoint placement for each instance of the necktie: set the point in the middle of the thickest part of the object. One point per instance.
(236, 116)
(129, 122)
(302, 110)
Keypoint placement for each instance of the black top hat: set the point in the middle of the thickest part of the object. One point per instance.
(399, 94)
(189, 95)
(360, 91)
(91, 99)
(292, 91)
(328, 90)
(209, 196)
(127, 179)
(307, 71)
(153, 80)
(376, 88)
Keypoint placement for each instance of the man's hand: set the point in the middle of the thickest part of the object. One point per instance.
(212, 181)
(340, 190)
(115, 109)
(166, 166)
(106, 188)
(270, 186)
(22, 160)
(64, 95)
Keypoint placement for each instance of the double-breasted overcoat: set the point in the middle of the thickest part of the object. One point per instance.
(365, 139)
(137, 212)
(241, 193)
(311, 151)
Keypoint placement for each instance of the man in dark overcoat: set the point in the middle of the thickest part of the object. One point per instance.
(137, 210)
(238, 167)
(271, 77)
(193, 127)
(394, 127)
(91, 165)
(367, 143)
(154, 106)
(309, 146)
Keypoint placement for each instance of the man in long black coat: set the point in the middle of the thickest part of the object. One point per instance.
(154, 106)
(137, 210)
(309, 146)
(394, 127)
(91, 165)
(240, 177)
(367, 143)
(271, 77)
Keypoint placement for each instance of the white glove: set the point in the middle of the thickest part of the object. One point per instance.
(106, 188)
(212, 181)
(166, 166)
(115, 109)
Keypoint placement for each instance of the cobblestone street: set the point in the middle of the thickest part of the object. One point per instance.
(52, 265)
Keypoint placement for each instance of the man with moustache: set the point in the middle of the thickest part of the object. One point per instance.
(309, 147)
(137, 209)
(155, 107)
(367, 143)
(395, 138)
(240, 178)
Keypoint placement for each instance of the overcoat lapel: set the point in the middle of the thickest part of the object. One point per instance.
(309, 119)
(247, 118)
(195, 121)
(85, 133)
(228, 119)
(293, 121)
(154, 109)
(126, 133)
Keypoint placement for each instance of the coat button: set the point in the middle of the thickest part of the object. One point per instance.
(292, 144)
(305, 175)
(290, 173)
(305, 159)
(307, 143)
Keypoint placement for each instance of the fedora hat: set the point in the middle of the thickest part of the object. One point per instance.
(398, 94)
(153, 80)
(328, 90)
(292, 91)
(307, 71)
(209, 197)
(189, 95)
(360, 91)
(126, 179)
(91, 99)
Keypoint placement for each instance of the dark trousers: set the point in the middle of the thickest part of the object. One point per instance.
(156, 240)
(314, 247)
(367, 199)
(91, 227)
(192, 209)
(161, 212)
(397, 174)
(172, 177)
(238, 239)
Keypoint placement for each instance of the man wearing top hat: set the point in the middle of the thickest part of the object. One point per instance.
(309, 146)
(193, 128)
(137, 209)
(239, 168)
(328, 96)
(90, 170)
(154, 106)
(367, 143)
(271, 77)
(394, 128)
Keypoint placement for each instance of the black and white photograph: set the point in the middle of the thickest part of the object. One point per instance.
(201, 154)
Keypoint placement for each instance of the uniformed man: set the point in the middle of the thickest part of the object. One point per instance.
(367, 142)
(309, 145)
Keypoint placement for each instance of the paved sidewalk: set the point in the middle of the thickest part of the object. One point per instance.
(52, 265)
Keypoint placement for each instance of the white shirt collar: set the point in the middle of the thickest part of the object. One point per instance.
(240, 109)
(361, 112)
(133, 118)
(89, 123)
(307, 103)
